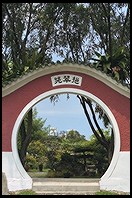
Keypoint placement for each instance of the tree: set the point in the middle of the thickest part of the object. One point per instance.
(74, 136)
(64, 29)
(32, 128)
(107, 143)
(100, 157)
(69, 158)
(25, 134)
(37, 150)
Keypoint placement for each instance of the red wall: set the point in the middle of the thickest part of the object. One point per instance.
(13, 104)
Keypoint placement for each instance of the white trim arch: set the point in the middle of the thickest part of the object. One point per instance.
(73, 91)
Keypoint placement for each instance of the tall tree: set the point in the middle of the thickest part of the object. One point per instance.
(32, 128)
(73, 31)
(99, 134)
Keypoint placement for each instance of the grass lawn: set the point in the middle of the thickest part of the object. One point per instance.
(31, 192)
(38, 174)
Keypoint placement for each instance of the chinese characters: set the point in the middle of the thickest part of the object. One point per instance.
(66, 79)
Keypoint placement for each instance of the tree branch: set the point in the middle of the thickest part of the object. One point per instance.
(95, 120)
(82, 101)
(124, 25)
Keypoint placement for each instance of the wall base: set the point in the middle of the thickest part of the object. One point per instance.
(119, 180)
(16, 179)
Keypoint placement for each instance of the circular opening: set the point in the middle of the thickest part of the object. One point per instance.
(59, 91)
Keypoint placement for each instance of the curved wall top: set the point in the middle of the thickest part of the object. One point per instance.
(97, 74)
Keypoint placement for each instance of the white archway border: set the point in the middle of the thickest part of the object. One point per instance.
(15, 154)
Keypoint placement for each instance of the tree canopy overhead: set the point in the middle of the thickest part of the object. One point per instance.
(76, 32)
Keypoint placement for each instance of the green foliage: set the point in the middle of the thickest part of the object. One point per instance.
(70, 30)
(38, 128)
(26, 192)
(31, 162)
(37, 151)
(74, 136)
(103, 192)
(68, 158)
(114, 65)
(39, 132)
(103, 62)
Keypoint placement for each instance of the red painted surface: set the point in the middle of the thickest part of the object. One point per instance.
(13, 104)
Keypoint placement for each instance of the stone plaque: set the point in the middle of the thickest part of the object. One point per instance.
(66, 79)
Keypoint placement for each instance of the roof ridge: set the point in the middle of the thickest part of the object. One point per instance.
(4, 85)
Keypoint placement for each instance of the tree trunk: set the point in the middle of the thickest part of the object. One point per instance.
(109, 145)
(25, 137)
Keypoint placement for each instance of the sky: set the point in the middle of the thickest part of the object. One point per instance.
(65, 115)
